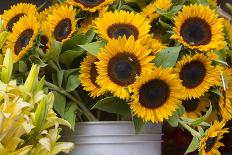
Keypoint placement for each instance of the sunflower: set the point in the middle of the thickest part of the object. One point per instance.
(228, 28)
(213, 116)
(112, 25)
(154, 44)
(225, 108)
(149, 12)
(88, 76)
(86, 24)
(62, 22)
(11, 16)
(90, 5)
(23, 36)
(198, 27)
(46, 36)
(228, 77)
(197, 74)
(212, 3)
(44, 14)
(163, 4)
(211, 141)
(195, 107)
(120, 62)
(156, 95)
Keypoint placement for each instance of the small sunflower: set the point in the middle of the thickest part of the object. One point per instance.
(212, 3)
(195, 107)
(228, 28)
(156, 95)
(198, 27)
(11, 16)
(211, 141)
(163, 4)
(112, 25)
(90, 5)
(62, 22)
(46, 36)
(225, 108)
(119, 64)
(88, 76)
(197, 74)
(86, 24)
(23, 36)
(153, 44)
(149, 12)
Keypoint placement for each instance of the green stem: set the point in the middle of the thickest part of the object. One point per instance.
(191, 130)
(86, 111)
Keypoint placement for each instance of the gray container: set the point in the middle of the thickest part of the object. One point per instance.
(114, 138)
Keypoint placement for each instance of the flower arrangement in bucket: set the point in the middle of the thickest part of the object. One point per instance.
(129, 60)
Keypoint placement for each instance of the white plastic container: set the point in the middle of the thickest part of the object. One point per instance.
(114, 138)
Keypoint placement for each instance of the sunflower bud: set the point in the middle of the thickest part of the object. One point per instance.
(31, 80)
(3, 37)
(7, 66)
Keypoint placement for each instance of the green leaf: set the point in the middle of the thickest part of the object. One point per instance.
(170, 13)
(79, 39)
(173, 120)
(72, 83)
(113, 105)
(22, 67)
(70, 113)
(59, 103)
(94, 47)
(167, 57)
(194, 145)
(138, 124)
(53, 52)
(60, 76)
(216, 91)
(69, 56)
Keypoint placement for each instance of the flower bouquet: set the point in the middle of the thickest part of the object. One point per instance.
(129, 60)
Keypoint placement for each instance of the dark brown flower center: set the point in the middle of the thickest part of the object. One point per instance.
(196, 31)
(63, 29)
(23, 40)
(123, 68)
(154, 94)
(94, 74)
(43, 41)
(210, 144)
(13, 20)
(90, 3)
(119, 30)
(193, 74)
(191, 105)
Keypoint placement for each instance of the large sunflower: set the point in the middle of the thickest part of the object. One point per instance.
(195, 107)
(112, 25)
(11, 16)
(90, 5)
(44, 14)
(62, 22)
(197, 74)
(88, 76)
(23, 36)
(46, 36)
(120, 62)
(198, 27)
(152, 43)
(156, 95)
(211, 141)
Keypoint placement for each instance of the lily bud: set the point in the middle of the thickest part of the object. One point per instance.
(7, 66)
